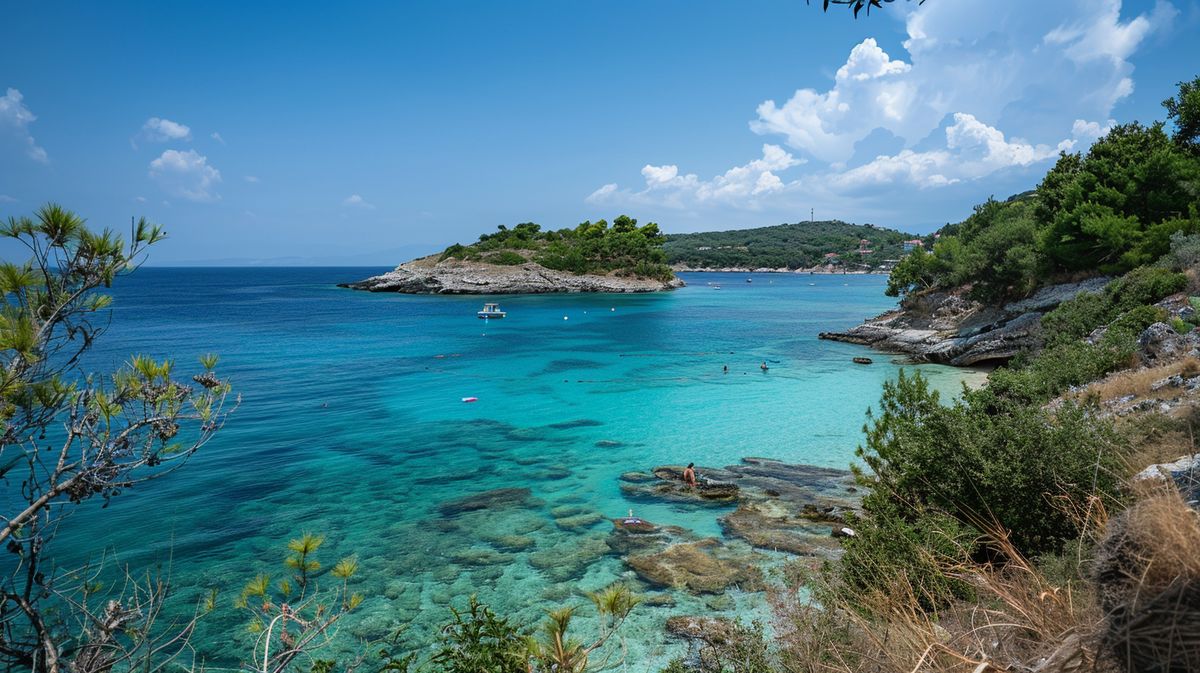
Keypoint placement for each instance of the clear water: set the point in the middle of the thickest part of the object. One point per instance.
(352, 425)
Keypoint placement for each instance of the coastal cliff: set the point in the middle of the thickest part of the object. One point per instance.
(427, 275)
(947, 327)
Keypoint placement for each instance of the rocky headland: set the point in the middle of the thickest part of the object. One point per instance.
(428, 275)
(949, 328)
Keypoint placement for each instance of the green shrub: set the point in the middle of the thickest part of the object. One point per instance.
(1132, 323)
(1144, 285)
(505, 258)
(1078, 317)
(912, 549)
(457, 251)
(1184, 253)
(477, 640)
(1035, 379)
(1181, 326)
(985, 460)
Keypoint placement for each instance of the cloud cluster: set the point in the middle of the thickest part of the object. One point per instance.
(16, 118)
(968, 99)
(186, 175)
(972, 149)
(182, 173)
(740, 184)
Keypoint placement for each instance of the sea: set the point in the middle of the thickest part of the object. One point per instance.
(352, 425)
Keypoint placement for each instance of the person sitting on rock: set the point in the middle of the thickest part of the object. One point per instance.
(689, 475)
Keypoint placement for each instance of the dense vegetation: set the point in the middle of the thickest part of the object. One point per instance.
(794, 246)
(1000, 531)
(962, 495)
(1107, 211)
(591, 247)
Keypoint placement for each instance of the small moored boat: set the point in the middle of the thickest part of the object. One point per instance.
(491, 311)
(863, 361)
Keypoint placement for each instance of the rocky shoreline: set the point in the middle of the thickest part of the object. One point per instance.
(454, 276)
(815, 271)
(948, 328)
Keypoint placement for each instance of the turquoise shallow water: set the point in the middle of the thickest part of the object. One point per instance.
(352, 425)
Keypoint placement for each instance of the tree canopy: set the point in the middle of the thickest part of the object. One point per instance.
(1107, 211)
(590, 247)
(797, 245)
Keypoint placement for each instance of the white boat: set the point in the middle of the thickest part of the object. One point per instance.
(491, 311)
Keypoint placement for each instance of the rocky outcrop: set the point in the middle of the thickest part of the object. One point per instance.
(1160, 342)
(454, 276)
(946, 327)
(780, 506)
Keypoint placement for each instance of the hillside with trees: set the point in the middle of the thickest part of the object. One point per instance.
(794, 246)
(596, 247)
(1106, 211)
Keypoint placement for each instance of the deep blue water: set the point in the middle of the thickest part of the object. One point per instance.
(352, 425)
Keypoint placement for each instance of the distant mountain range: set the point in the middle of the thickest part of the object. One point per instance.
(795, 246)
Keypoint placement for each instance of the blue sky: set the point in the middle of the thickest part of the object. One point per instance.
(315, 133)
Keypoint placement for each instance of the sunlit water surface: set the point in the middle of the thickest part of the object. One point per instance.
(352, 425)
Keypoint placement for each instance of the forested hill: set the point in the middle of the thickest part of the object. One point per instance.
(799, 245)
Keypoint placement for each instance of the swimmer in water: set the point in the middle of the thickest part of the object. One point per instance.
(763, 366)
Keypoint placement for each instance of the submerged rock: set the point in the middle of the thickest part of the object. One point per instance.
(708, 629)
(569, 560)
(579, 521)
(774, 526)
(781, 506)
(705, 566)
(512, 543)
(493, 499)
(476, 556)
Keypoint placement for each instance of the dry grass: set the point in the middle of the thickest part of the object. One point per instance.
(1021, 621)
(1148, 576)
(1136, 608)
(1139, 381)
(1156, 438)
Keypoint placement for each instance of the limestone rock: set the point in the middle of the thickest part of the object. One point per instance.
(454, 276)
(1160, 341)
(946, 327)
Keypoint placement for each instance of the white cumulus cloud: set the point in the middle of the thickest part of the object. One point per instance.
(187, 175)
(160, 130)
(981, 87)
(356, 201)
(999, 61)
(740, 184)
(16, 118)
(972, 150)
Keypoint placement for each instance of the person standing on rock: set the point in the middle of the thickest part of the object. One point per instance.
(689, 475)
